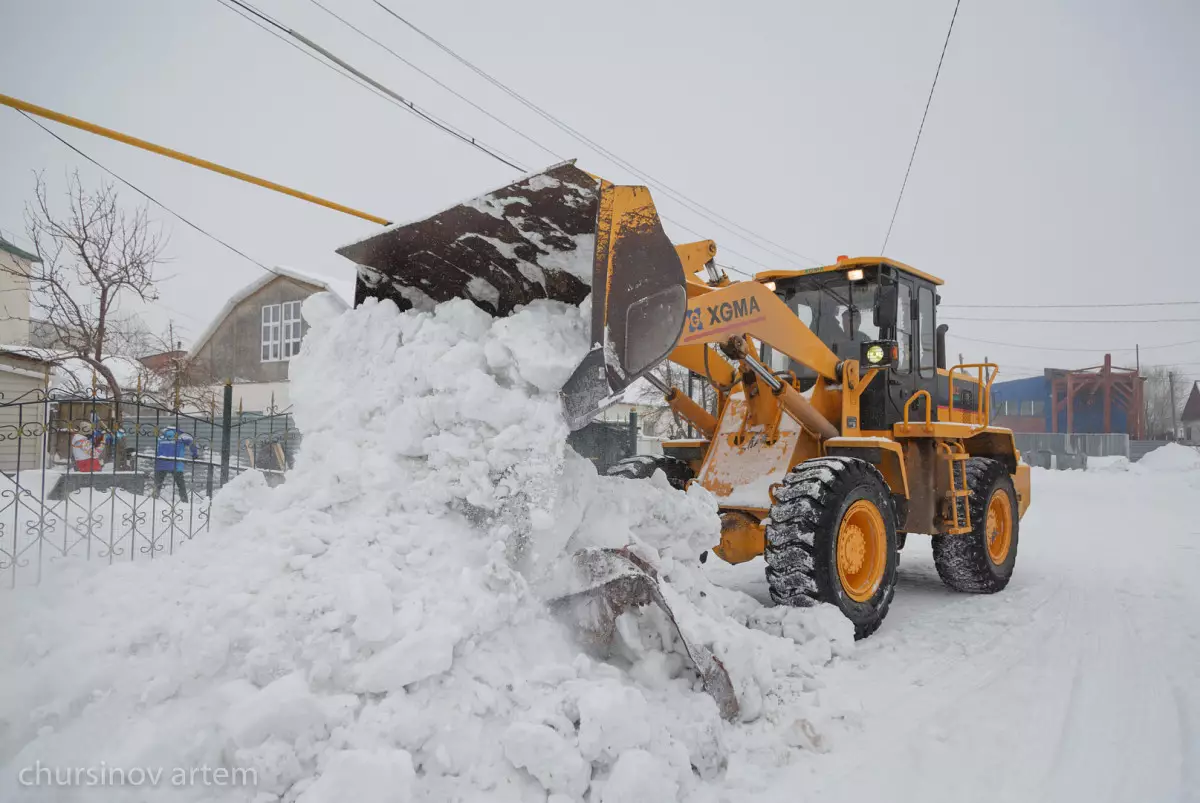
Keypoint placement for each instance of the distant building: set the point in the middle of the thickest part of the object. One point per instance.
(1104, 399)
(1022, 404)
(1190, 419)
(14, 293)
(163, 362)
(254, 337)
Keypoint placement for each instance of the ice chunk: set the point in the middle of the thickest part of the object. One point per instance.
(368, 599)
(547, 756)
(639, 777)
(612, 719)
(284, 709)
(363, 776)
(415, 657)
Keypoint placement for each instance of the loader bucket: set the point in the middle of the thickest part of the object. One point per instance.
(639, 298)
(558, 234)
(531, 239)
(613, 581)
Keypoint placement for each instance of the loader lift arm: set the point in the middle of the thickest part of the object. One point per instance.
(749, 308)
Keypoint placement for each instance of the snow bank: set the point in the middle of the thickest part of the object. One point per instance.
(1172, 457)
(374, 629)
(1108, 463)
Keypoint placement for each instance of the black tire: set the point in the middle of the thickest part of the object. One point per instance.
(802, 534)
(643, 466)
(963, 561)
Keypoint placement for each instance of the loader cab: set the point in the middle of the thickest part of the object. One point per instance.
(860, 301)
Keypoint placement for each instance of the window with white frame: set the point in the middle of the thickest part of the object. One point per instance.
(281, 331)
(291, 329)
(270, 332)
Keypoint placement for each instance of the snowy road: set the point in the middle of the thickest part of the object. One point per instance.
(1080, 682)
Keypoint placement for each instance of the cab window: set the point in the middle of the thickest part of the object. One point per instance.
(928, 357)
(904, 326)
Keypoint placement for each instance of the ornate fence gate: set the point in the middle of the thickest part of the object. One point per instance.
(80, 478)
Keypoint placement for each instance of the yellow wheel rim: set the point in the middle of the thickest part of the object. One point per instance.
(999, 526)
(861, 551)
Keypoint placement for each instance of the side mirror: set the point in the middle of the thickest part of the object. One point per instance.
(885, 307)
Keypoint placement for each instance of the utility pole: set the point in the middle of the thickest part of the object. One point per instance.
(1171, 382)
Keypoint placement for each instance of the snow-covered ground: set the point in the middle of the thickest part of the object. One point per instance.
(1080, 682)
(374, 629)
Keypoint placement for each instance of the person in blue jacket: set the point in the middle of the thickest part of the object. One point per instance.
(173, 445)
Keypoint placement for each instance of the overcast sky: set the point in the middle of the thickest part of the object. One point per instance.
(1059, 163)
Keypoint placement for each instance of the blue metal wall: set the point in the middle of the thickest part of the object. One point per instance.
(1089, 410)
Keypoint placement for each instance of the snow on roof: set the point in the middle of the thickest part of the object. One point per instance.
(252, 288)
(30, 352)
(18, 251)
(73, 374)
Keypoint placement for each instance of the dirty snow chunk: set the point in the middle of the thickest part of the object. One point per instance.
(640, 777)
(612, 719)
(417, 656)
(1172, 457)
(364, 776)
(285, 709)
(547, 756)
(482, 290)
(369, 600)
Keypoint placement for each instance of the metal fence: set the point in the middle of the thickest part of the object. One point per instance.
(82, 477)
(1091, 444)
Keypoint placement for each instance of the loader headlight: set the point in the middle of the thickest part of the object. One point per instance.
(879, 353)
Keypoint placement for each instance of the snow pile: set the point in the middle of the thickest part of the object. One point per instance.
(1108, 463)
(372, 630)
(1172, 457)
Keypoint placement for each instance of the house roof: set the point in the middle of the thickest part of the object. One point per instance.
(29, 353)
(71, 373)
(5, 245)
(252, 288)
(1191, 410)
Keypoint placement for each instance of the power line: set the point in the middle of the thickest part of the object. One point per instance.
(404, 103)
(1062, 348)
(921, 128)
(431, 77)
(1066, 320)
(401, 101)
(694, 206)
(150, 197)
(1072, 306)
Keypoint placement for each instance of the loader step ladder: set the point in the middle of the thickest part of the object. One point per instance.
(957, 502)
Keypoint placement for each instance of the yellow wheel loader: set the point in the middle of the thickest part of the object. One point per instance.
(837, 428)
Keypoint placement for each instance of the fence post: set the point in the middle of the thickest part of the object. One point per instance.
(633, 433)
(226, 431)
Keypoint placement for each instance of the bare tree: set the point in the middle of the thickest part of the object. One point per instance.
(662, 420)
(172, 382)
(1163, 409)
(94, 257)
